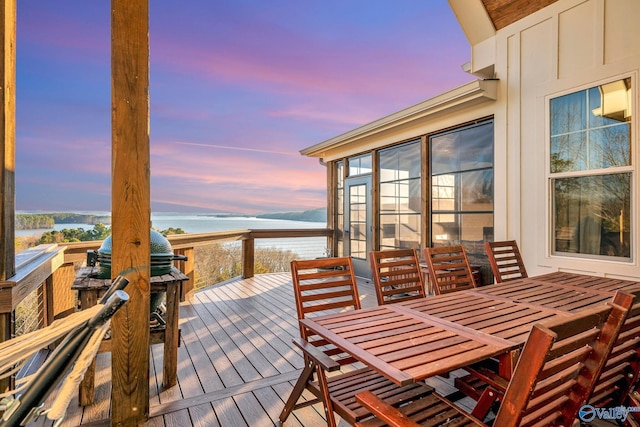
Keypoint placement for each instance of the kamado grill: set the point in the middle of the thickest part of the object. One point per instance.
(162, 256)
(161, 261)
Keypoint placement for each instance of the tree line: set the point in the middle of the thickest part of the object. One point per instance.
(98, 232)
(48, 220)
(215, 262)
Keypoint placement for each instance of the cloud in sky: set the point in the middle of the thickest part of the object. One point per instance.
(237, 89)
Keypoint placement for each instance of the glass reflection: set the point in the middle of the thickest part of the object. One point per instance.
(591, 129)
(593, 215)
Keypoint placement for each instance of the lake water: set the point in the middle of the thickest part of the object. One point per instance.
(308, 247)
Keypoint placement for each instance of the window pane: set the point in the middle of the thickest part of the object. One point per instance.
(401, 162)
(610, 146)
(409, 161)
(596, 149)
(591, 129)
(400, 196)
(360, 165)
(400, 231)
(443, 192)
(568, 152)
(462, 188)
(470, 230)
(610, 103)
(568, 113)
(593, 215)
(409, 231)
(470, 148)
(477, 191)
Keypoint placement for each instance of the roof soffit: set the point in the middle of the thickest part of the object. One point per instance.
(506, 12)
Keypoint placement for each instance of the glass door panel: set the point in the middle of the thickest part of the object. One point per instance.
(357, 230)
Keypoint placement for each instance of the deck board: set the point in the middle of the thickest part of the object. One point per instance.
(236, 362)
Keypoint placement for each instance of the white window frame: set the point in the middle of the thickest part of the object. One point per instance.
(632, 169)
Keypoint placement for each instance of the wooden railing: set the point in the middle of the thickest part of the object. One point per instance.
(49, 270)
(184, 244)
(42, 269)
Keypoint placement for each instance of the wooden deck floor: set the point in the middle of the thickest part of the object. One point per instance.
(236, 362)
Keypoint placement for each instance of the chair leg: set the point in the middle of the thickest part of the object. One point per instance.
(328, 406)
(485, 402)
(298, 388)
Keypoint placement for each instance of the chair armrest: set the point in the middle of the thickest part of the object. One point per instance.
(319, 357)
(381, 409)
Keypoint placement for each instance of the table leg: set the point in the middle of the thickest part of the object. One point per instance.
(507, 363)
(171, 336)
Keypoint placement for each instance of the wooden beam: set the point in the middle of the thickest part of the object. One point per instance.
(7, 137)
(7, 154)
(131, 208)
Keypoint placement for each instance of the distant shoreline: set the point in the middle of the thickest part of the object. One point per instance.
(40, 220)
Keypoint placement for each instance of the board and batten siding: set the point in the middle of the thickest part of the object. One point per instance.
(565, 47)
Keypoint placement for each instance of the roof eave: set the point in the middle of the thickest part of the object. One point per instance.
(460, 96)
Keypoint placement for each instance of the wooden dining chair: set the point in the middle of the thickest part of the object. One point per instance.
(620, 375)
(617, 380)
(506, 262)
(323, 286)
(449, 269)
(396, 275)
(554, 376)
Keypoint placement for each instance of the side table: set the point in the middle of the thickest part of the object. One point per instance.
(90, 288)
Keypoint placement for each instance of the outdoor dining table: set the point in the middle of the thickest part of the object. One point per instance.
(406, 345)
(568, 292)
(588, 282)
(417, 339)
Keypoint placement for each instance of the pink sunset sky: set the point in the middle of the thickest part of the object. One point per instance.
(237, 89)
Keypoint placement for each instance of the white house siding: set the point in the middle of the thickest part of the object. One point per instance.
(568, 46)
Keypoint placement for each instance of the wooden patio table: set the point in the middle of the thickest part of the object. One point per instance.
(567, 292)
(589, 282)
(407, 345)
(413, 340)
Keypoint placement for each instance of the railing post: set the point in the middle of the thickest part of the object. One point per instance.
(45, 300)
(248, 257)
(187, 267)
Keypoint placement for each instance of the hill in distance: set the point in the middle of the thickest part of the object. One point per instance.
(312, 215)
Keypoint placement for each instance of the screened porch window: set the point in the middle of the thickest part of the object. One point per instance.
(462, 188)
(400, 196)
(591, 171)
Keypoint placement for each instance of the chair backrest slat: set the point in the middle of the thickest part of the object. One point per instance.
(396, 275)
(449, 269)
(505, 259)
